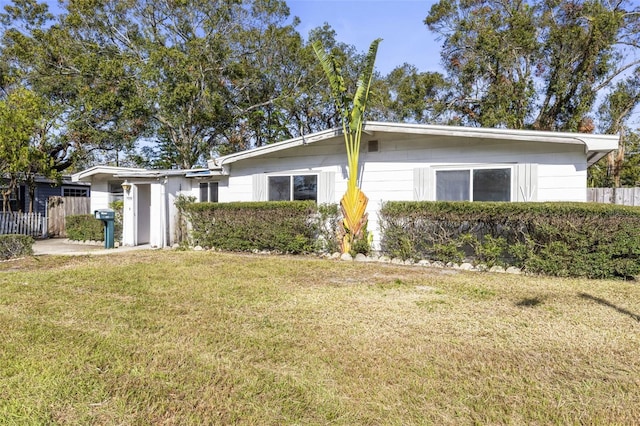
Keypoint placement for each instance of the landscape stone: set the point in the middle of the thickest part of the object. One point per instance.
(346, 256)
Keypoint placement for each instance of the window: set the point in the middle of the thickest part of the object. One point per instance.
(75, 192)
(209, 192)
(13, 195)
(474, 185)
(12, 202)
(287, 188)
(116, 192)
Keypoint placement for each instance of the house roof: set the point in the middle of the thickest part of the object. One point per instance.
(595, 146)
(64, 180)
(138, 173)
(87, 174)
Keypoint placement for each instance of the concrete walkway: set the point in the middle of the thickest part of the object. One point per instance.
(63, 246)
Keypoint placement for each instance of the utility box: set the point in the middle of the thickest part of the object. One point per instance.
(108, 217)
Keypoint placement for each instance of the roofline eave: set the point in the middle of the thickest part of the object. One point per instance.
(591, 142)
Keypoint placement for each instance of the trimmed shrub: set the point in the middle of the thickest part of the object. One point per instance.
(181, 226)
(329, 223)
(285, 226)
(117, 207)
(12, 246)
(562, 239)
(84, 227)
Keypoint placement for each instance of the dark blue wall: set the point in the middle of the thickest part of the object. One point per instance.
(43, 192)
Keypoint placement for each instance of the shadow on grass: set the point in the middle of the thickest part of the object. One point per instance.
(610, 305)
(529, 302)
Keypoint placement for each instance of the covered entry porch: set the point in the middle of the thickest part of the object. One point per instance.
(147, 196)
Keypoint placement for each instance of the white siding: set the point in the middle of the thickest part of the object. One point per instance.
(389, 174)
(561, 183)
(177, 185)
(158, 211)
(99, 195)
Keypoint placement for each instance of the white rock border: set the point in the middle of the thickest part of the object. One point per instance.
(465, 266)
(377, 258)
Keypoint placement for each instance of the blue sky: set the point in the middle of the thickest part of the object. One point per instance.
(400, 23)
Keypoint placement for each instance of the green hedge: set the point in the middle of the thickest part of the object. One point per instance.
(12, 246)
(84, 227)
(287, 227)
(562, 239)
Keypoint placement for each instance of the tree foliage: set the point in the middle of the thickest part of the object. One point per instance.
(166, 84)
(534, 64)
(414, 96)
(22, 154)
(187, 78)
(193, 66)
(180, 80)
(620, 167)
(81, 82)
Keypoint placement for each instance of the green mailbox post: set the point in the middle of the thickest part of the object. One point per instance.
(108, 217)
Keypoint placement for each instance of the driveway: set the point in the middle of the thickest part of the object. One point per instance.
(63, 246)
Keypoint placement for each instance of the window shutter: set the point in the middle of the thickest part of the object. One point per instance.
(259, 187)
(422, 184)
(526, 182)
(327, 188)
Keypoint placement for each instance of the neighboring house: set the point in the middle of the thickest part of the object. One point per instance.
(19, 200)
(397, 162)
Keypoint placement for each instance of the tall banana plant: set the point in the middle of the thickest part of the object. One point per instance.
(352, 108)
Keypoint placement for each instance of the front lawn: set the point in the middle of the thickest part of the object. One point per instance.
(170, 337)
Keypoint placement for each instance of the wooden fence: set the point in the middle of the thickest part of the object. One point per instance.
(33, 224)
(59, 208)
(623, 196)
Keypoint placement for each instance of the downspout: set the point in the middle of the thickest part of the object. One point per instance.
(163, 197)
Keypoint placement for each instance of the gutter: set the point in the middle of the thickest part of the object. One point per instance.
(593, 143)
(220, 162)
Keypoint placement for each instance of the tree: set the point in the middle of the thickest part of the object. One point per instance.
(89, 110)
(21, 113)
(179, 80)
(191, 64)
(538, 64)
(352, 108)
(307, 106)
(620, 167)
(187, 78)
(412, 95)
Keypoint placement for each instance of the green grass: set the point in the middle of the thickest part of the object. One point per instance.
(180, 338)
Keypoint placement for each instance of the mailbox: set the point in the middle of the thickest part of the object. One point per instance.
(108, 217)
(105, 214)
